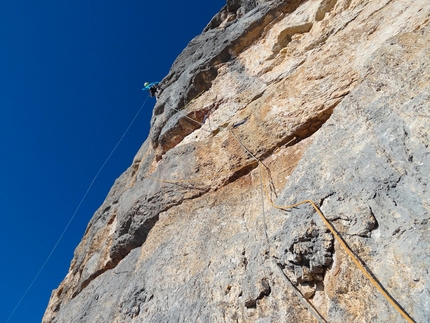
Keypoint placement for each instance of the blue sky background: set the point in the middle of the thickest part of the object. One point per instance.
(71, 74)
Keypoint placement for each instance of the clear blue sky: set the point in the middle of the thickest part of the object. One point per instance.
(71, 74)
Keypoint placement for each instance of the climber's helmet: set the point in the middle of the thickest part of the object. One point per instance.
(146, 84)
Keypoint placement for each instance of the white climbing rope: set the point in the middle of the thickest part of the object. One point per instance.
(74, 214)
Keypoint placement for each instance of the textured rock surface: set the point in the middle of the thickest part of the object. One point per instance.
(333, 97)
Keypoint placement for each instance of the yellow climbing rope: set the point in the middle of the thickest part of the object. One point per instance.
(342, 243)
(345, 247)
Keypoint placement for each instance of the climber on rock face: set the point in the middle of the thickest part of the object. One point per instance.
(152, 88)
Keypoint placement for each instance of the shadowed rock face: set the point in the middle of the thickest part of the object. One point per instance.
(333, 97)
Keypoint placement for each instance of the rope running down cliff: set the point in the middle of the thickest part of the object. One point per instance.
(342, 243)
(76, 211)
(350, 253)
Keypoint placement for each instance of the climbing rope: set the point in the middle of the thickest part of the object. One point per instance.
(348, 250)
(341, 241)
(307, 304)
(74, 213)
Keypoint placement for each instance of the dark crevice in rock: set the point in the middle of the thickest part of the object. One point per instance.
(375, 224)
(394, 185)
(265, 291)
(312, 125)
(303, 131)
(241, 172)
(322, 200)
(135, 239)
(86, 282)
(251, 303)
(287, 141)
(125, 226)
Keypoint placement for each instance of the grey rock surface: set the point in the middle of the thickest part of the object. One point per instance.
(368, 169)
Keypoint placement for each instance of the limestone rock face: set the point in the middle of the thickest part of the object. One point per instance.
(276, 101)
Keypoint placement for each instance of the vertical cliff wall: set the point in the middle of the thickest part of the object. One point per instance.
(276, 102)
